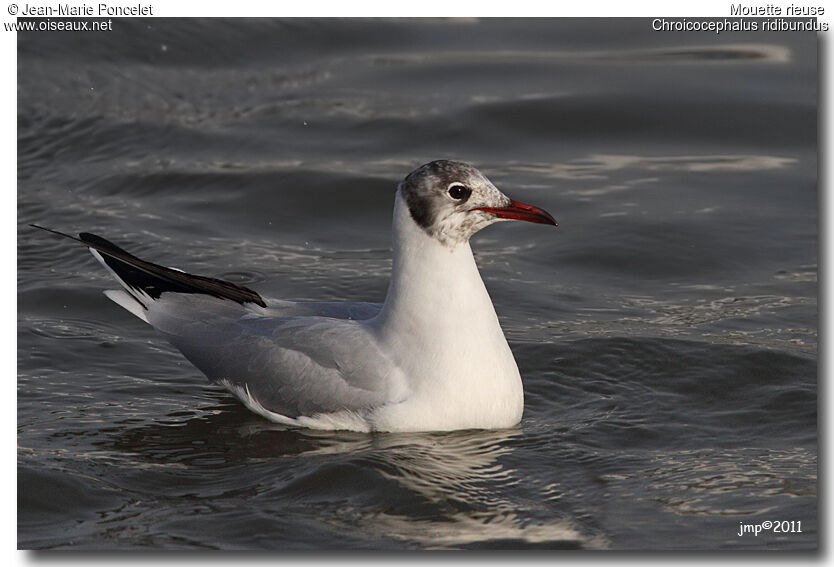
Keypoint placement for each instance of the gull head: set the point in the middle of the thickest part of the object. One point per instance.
(451, 201)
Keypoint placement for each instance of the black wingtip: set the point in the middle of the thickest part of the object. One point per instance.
(102, 244)
(58, 232)
(154, 279)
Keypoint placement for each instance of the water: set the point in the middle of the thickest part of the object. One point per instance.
(666, 331)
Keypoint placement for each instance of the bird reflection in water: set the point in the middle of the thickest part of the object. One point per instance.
(434, 490)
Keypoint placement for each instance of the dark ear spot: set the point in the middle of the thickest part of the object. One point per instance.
(420, 207)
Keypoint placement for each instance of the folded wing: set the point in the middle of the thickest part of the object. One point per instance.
(292, 366)
(290, 359)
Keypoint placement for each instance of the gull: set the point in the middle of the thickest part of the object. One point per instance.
(433, 357)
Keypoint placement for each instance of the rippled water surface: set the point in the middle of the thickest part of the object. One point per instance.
(666, 331)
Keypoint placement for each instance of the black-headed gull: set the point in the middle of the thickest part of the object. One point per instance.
(432, 357)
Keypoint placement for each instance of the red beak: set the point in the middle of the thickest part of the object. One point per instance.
(517, 210)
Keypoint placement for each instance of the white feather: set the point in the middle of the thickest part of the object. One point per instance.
(124, 299)
(137, 294)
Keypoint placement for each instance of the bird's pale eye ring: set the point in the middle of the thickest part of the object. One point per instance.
(459, 192)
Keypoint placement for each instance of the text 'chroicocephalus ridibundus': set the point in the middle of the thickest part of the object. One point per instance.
(432, 357)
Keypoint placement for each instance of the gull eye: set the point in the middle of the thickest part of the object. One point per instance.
(459, 192)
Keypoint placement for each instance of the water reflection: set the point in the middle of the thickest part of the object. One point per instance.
(597, 166)
(463, 473)
(725, 483)
(438, 490)
(730, 53)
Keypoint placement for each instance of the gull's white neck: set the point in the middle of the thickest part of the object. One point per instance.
(440, 323)
(434, 288)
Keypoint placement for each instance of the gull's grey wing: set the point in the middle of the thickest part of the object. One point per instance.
(293, 366)
(335, 309)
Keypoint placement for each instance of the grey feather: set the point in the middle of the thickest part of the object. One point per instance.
(293, 365)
